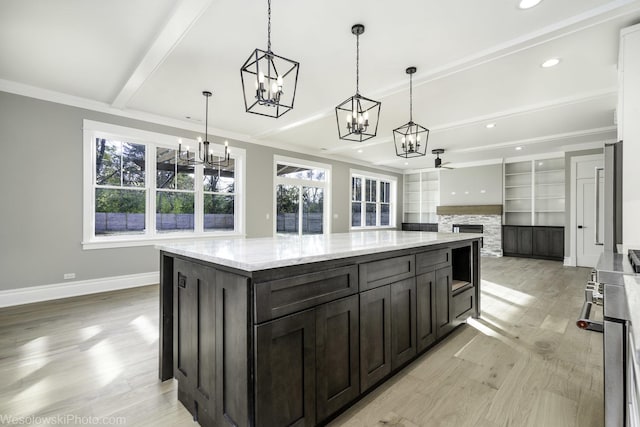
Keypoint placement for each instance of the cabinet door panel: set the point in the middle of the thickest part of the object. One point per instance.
(195, 345)
(403, 322)
(286, 371)
(444, 313)
(375, 336)
(463, 304)
(337, 355)
(541, 241)
(556, 242)
(425, 309)
(525, 241)
(509, 240)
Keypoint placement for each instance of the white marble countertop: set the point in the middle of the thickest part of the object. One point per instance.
(632, 291)
(272, 252)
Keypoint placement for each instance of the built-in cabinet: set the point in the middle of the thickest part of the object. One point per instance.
(421, 197)
(322, 337)
(534, 192)
(533, 242)
(534, 209)
(629, 130)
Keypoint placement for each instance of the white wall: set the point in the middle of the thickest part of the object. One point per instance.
(41, 188)
(468, 185)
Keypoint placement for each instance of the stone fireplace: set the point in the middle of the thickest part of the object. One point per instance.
(489, 216)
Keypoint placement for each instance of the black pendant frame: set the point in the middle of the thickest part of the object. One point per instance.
(272, 66)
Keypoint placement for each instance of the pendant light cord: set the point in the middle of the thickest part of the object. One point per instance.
(206, 120)
(357, 64)
(411, 97)
(269, 28)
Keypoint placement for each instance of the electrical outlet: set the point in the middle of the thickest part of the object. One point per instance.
(68, 276)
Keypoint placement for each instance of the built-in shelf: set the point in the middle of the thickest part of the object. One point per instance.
(421, 196)
(534, 192)
(459, 284)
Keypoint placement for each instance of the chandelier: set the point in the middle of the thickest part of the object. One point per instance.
(361, 113)
(206, 156)
(269, 81)
(411, 139)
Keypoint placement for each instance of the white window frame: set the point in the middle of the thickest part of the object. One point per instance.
(152, 141)
(325, 185)
(393, 199)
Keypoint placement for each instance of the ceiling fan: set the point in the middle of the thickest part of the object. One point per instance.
(438, 163)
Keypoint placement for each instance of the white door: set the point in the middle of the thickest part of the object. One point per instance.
(589, 212)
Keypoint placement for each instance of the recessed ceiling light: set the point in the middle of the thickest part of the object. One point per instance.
(550, 63)
(466, 192)
(406, 163)
(528, 4)
(483, 191)
(518, 148)
(490, 125)
(360, 151)
(453, 192)
(540, 164)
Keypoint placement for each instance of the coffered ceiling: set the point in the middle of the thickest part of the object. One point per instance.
(478, 61)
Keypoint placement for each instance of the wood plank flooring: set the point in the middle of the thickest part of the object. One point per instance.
(524, 363)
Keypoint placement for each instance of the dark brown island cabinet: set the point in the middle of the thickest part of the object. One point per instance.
(297, 344)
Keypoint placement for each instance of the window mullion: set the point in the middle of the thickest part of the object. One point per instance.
(151, 189)
(198, 202)
(300, 210)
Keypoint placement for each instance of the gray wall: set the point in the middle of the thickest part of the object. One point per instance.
(472, 180)
(41, 188)
(568, 196)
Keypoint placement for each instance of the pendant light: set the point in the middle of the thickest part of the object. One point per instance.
(206, 156)
(269, 81)
(411, 139)
(362, 114)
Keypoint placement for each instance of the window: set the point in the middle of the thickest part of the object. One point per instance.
(137, 190)
(372, 200)
(301, 196)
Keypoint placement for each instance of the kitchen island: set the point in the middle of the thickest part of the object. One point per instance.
(292, 330)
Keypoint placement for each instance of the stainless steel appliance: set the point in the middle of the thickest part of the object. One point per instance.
(608, 289)
(612, 197)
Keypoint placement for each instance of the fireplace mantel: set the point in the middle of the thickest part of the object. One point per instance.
(469, 210)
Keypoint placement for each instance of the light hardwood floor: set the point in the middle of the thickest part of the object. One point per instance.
(524, 363)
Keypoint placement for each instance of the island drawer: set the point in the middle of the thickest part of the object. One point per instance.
(277, 298)
(463, 303)
(385, 271)
(433, 260)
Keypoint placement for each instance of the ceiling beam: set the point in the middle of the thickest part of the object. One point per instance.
(182, 18)
(604, 13)
(495, 116)
(601, 132)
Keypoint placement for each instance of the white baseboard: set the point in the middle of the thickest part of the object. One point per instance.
(32, 294)
(569, 262)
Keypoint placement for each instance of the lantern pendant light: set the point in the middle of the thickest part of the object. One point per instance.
(269, 81)
(206, 156)
(411, 139)
(362, 114)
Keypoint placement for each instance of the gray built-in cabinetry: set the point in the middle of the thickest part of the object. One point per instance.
(534, 209)
(296, 345)
(533, 242)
